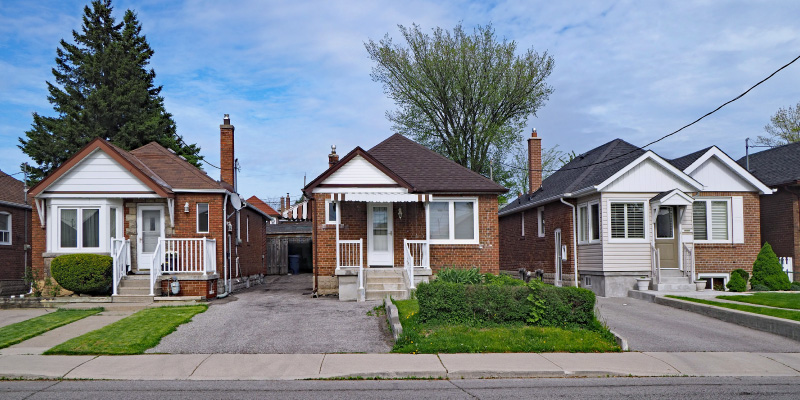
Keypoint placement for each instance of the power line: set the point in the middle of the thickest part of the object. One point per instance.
(674, 132)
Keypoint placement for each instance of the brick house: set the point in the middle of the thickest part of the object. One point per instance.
(15, 233)
(619, 212)
(387, 218)
(779, 168)
(156, 215)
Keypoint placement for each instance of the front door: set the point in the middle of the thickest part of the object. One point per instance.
(666, 240)
(150, 226)
(559, 256)
(379, 235)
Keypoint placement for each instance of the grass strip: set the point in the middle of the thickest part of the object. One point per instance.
(21, 331)
(781, 300)
(131, 335)
(422, 338)
(772, 312)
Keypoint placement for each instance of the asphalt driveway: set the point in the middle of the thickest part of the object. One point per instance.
(654, 327)
(281, 317)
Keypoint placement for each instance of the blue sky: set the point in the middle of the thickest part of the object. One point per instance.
(294, 76)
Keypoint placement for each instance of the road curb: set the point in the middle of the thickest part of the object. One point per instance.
(621, 341)
(394, 318)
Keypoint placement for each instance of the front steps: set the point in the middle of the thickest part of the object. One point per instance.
(673, 280)
(134, 289)
(382, 282)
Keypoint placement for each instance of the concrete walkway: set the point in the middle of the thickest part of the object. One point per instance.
(452, 366)
(47, 340)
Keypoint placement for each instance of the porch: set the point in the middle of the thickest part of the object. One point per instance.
(672, 248)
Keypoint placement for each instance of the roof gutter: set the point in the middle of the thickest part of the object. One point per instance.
(574, 239)
(590, 189)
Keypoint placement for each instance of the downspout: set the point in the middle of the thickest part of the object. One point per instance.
(224, 246)
(315, 241)
(574, 240)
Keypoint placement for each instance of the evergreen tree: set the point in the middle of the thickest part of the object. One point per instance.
(767, 270)
(103, 88)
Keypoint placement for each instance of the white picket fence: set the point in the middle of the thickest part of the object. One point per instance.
(788, 266)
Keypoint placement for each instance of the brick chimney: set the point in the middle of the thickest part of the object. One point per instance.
(333, 158)
(280, 209)
(288, 203)
(534, 161)
(226, 151)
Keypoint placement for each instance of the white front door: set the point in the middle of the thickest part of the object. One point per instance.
(379, 235)
(150, 226)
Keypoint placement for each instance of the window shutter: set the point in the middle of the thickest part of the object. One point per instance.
(737, 210)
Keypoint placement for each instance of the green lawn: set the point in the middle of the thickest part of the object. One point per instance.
(131, 335)
(772, 312)
(782, 300)
(421, 338)
(15, 333)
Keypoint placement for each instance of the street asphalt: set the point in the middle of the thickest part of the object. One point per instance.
(654, 327)
(281, 317)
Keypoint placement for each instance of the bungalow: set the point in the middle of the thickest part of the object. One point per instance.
(387, 218)
(14, 235)
(159, 218)
(619, 212)
(779, 168)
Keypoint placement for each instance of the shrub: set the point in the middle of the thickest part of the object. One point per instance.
(759, 288)
(460, 275)
(442, 301)
(502, 279)
(563, 307)
(767, 271)
(742, 273)
(83, 273)
(737, 282)
(795, 286)
(455, 303)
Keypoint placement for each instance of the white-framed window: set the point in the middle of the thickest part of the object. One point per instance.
(112, 222)
(247, 228)
(715, 281)
(523, 223)
(331, 212)
(712, 220)
(202, 218)
(453, 221)
(627, 221)
(587, 281)
(79, 228)
(589, 222)
(540, 221)
(5, 228)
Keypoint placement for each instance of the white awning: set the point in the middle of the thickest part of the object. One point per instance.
(382, 197)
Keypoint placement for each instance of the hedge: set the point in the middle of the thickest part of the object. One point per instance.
(83, 273)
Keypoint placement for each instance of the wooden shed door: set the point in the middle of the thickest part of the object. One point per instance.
(277, 256)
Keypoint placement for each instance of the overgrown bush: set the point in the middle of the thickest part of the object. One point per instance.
(442, 302)
(460, 275)
(744, 274)
(737, 283)
(795, 286)
(759, 288)
(83, 273)
(767, 271)
(563, 307)
(502, 279)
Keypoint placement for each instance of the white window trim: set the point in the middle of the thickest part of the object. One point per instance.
(725, 278)
(646, 218)
(539, 224)
(328, 219)
(581, 233)
(10, 221)
(451, 210)
(672, 230)
(599, 222)
(102, 215)
(247, 228)
(589, 227)
(523, 223)
(708, 201)
(197, 217)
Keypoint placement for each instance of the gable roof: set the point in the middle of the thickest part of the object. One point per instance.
(682, 163)
(720, 155)
(417, 168)
(12, 191)
(776, 166)
(264, 207)
(158, 168)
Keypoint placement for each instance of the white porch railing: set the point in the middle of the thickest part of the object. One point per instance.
(655, 264)
(688, 260)
(788, 266)
(349, 253)
(416, 255)
(121, 259)
(182, 256)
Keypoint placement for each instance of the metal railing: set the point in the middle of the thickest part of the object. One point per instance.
(349, 254)
(416, 255)
(688, 260)
(155, 266)
(121, 259)
(182, 256)
(655, 264)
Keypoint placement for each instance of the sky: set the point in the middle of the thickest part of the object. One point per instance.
(295, 76)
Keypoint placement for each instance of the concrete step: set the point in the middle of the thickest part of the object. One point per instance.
(385, 280)
(134, 283)
(132, 299)
(675, 280)
(137, 277)
(385, 286)
(676, 287)
(671, 273)
(135, 291)
(381, 294)
(376, 272)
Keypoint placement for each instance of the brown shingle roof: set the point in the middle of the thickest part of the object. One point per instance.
(264, 207)
(11, 190)
(175, 171)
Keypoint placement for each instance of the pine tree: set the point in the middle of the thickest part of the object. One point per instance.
(103, 88)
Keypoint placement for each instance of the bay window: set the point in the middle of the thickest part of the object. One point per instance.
(79, 228)
(453, 221)
(627, 220)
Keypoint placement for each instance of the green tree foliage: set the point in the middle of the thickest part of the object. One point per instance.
(767, 271)
(518, 179)
(784, 127)
(103, 88)
(736, 283)
(464, 96)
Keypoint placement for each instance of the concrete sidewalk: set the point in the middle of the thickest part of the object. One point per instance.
(452, 366)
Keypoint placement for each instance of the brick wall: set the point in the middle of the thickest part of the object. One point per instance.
(204, 288)
(485, 255)
(725, 257)
(12, 257)
(531, 251)
(780, 223)
(38, 243)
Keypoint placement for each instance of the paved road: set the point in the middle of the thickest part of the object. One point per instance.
(616, 388)
(280, 317)
(654, 327)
